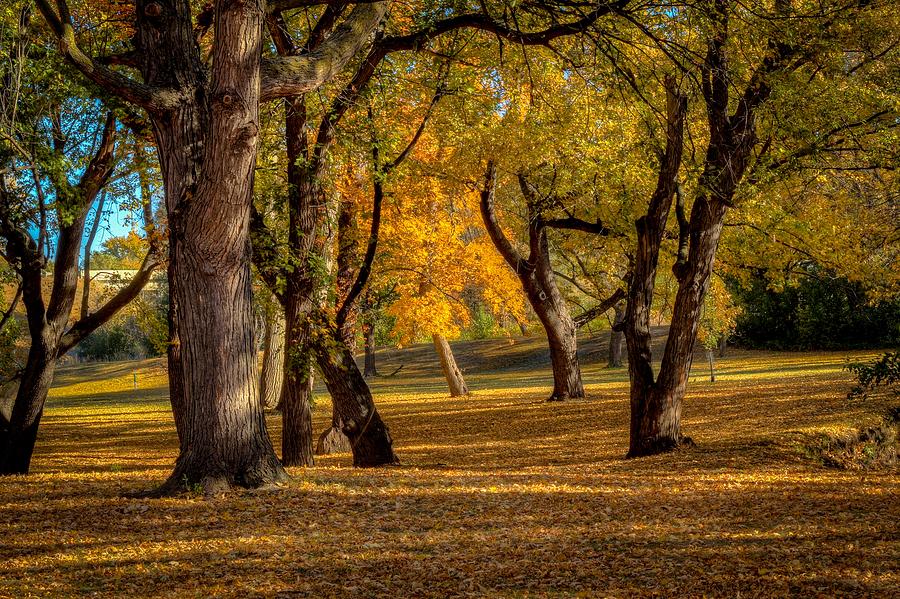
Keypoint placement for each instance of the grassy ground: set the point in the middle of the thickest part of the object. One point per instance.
(499, 494)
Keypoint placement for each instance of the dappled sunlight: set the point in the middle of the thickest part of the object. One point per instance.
(499, 494)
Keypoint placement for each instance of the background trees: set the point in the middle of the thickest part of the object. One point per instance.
(404, 142)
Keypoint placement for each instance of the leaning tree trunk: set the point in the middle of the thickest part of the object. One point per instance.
(657, 426)
(369, 369)
(354, 409)
(617, 338)
(539, 283)
(452, 373)
(272, 375)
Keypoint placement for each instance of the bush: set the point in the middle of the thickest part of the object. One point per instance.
(871, 448)
(883, 372)
(819, 312)
(119, 340)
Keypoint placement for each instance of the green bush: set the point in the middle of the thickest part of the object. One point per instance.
(820, 311)
(883, 372)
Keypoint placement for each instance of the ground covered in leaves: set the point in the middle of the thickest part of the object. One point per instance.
(499, 494)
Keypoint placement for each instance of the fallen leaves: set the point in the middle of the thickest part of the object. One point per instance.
(499, 495)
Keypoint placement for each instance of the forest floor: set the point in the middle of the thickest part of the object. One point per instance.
(499, 494)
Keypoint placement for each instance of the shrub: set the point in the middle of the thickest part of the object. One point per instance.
(883, 372)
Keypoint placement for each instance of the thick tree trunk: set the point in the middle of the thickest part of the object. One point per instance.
(207, 153)
(369, 369)
(452, 373)
(354, 410)
(655, 405)
(272, 375)
(564, 358)
(617, 338)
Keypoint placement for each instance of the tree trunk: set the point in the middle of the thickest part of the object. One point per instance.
(347, 262)
(452, 373)
(354, 410)
(207, 150)
(369, 369)
(19, 437)
(617, 338)
(539, 284)
(296, 393)
(564, 358)
(272, 375)
(712, 365)
(655, 405)
(723, 345)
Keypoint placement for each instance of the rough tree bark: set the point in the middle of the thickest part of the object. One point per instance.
(452, 373)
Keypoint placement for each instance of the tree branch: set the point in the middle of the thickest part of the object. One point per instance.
(592, 313)
(489, 216)
(484, 22)
(146, 96)
(577, 224)
(12, 307)
(285, 76)
(88, 324)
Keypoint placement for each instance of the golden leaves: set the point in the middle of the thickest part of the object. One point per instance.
(501, 494)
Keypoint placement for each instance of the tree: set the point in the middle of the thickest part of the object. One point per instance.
(538, 279)
(786, 54)
(49, 188)
(271, 377)
(354, 410)
(212, 365)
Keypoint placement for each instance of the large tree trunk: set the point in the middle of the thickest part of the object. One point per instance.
(617, 338)
(272, 375)
(354, 410)
(656, 425)
(369, 369)
(563, 340)
(655, 409)
(452, 373)
(207, 149)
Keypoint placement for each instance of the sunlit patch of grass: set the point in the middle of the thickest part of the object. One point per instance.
(499, 494)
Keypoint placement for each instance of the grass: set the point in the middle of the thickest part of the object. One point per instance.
(499, 494)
